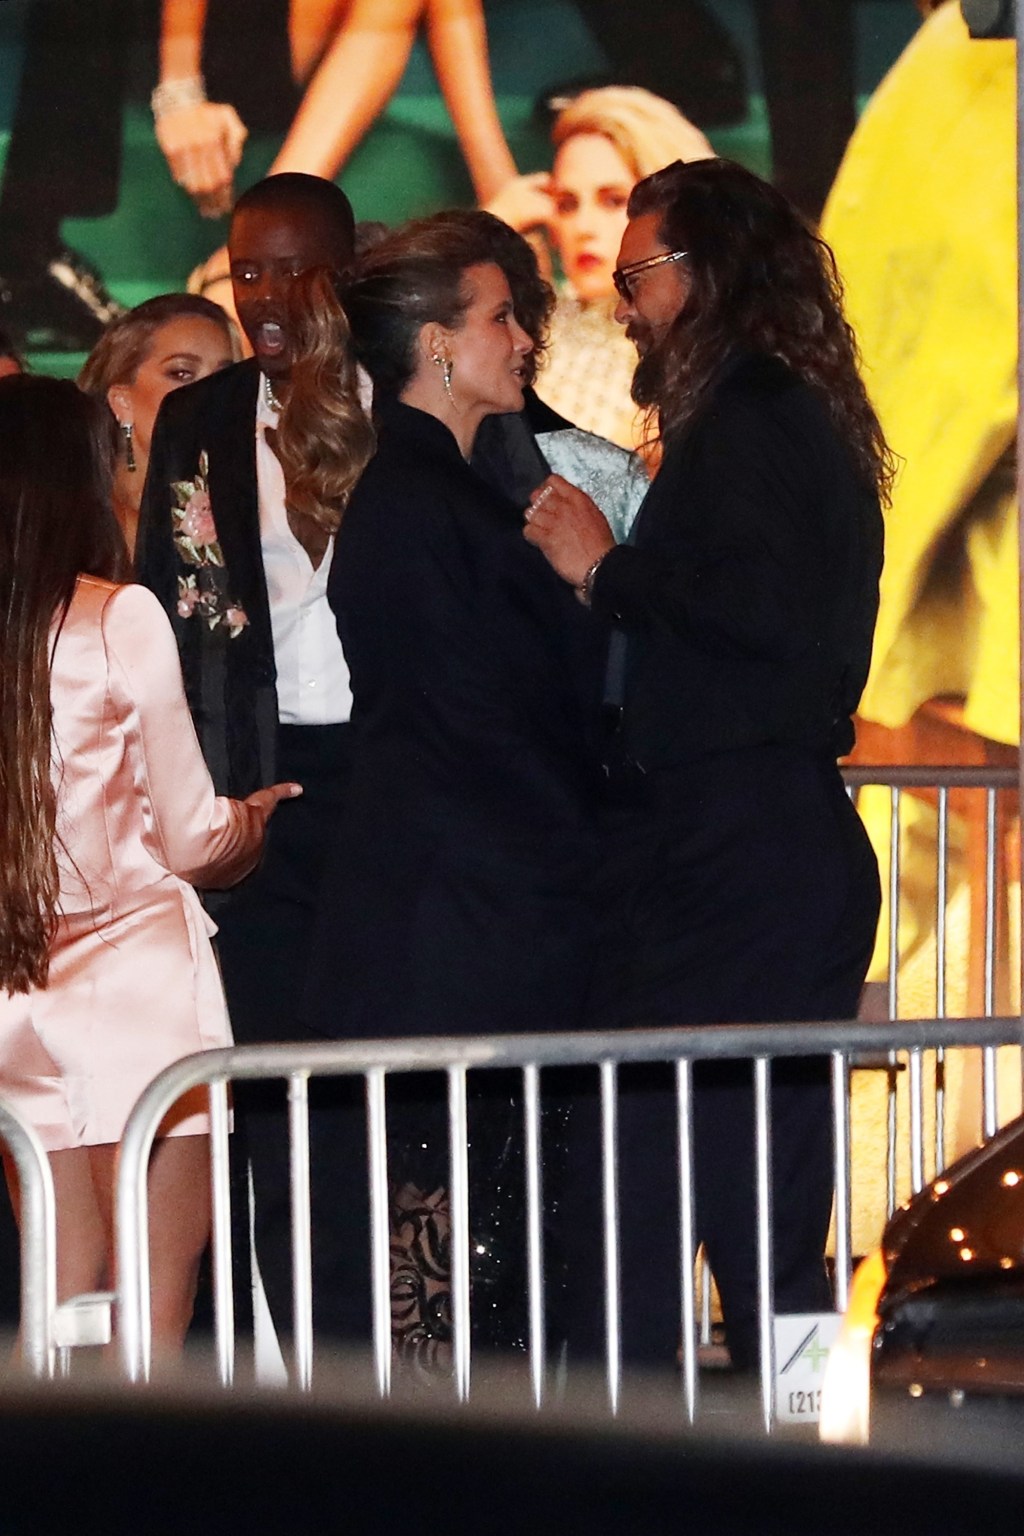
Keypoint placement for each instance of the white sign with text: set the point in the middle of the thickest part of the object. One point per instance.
(802, 1343)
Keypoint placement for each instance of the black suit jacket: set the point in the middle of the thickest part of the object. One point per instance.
(229, 682)
(456, 896)
(749, 590)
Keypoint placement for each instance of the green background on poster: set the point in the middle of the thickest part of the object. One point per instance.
(409, 162)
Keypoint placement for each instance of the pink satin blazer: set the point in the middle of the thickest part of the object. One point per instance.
(133, 981)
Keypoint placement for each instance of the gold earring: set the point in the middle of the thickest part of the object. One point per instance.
(128, 433)
(445, 365)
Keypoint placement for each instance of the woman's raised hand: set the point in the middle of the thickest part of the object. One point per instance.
(525, 202)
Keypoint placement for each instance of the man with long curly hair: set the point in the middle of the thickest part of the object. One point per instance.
(739, 885)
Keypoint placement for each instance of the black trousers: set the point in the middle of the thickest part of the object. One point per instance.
(263, 943)
(724, 1203)
(742, 889)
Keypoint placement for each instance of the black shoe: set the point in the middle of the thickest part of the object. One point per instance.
(58, 303)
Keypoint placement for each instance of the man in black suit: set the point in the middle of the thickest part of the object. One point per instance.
(267, 683)
(738, 883)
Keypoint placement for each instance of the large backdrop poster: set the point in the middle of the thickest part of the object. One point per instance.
(412, 104)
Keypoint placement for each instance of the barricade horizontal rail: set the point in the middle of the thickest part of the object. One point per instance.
(378, 1060)
(950, 776)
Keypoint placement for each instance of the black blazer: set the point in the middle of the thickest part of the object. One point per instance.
(229, 681)
(749, 590)
(456, 897)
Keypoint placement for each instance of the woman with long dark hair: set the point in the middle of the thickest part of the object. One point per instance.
(107, 813)
(738, 884)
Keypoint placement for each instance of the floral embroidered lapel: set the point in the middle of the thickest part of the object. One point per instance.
(200, 523)
(204, 592)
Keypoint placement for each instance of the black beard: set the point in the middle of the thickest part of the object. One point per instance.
(648, 379)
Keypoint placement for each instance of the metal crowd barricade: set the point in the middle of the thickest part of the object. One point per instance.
(989, 781)
(38, 1223)
(376, 1061)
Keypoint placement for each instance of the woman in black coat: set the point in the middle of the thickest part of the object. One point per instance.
(458, 895)
(738, 885)
(454, 901)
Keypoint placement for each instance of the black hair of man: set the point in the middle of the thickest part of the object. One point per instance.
(297, 192)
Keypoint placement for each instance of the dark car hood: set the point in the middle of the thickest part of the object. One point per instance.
(967, 1224)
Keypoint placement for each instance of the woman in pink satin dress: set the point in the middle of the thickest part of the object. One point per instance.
(108, 818)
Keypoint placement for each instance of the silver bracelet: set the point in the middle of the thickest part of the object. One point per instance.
(586, 586)
(175, 95)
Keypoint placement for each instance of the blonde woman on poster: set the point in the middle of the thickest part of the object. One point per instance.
(605, 140)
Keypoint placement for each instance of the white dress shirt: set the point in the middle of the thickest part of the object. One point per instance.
(312, 675)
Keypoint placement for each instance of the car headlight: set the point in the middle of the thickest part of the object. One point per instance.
(846, 1392)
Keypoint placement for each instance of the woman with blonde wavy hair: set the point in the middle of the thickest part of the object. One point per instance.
(160, 345)
(605, 141)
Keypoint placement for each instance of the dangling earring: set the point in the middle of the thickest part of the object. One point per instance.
(445, 365)
(128, 433)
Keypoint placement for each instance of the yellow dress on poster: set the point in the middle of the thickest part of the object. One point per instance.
(922, 219)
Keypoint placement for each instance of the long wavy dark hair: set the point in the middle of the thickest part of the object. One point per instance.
(413, 275)
(56, 523)
(759, 279)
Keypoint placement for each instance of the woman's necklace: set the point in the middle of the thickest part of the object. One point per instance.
(269, 397)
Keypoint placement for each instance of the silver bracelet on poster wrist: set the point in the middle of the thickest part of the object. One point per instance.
(586, 586)
(175, 95)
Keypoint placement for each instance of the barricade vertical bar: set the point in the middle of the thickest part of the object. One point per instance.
(765, 1264)
(990, 903)
(302, 1257)
(941, 900)
(894, 899)
(610, 1191)
(1019, 33)
(134, 1323)
(916, 1122)
(705, 1299)
(220, 1195)
(534, 1228)
(458, 1135)
(890, 1136)
(688, 1308)
(38, 1243)
(841, 1121)
(894, 965)
(990, 1117)
(988, 1055)
(380, 1225)
(941, 883)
